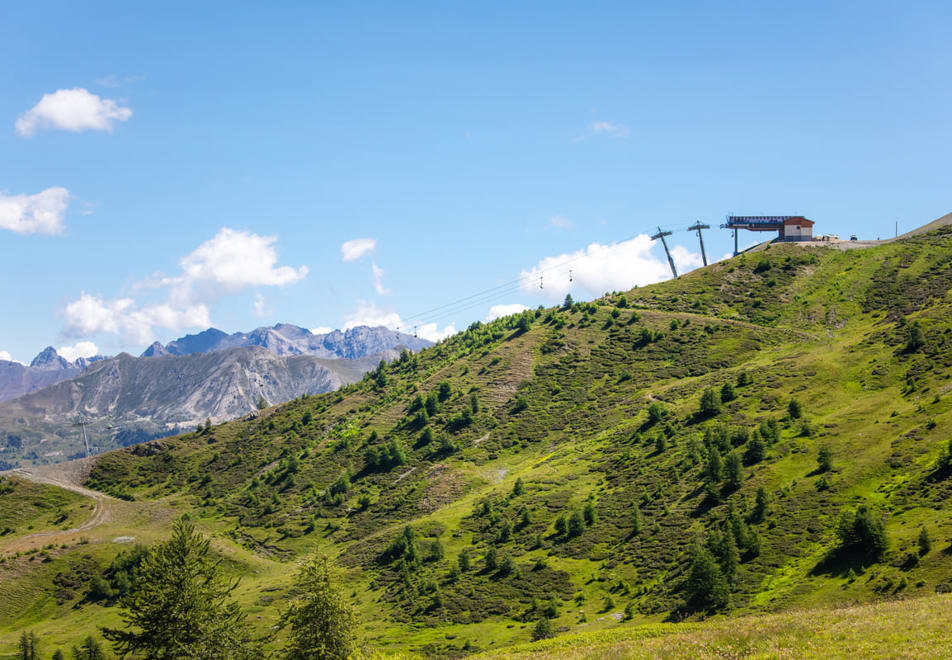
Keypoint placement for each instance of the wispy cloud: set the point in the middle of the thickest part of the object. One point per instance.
(560, 222)
(378, 280)
(603, 129)
(356, 248)
(71, 110)
(41, 213)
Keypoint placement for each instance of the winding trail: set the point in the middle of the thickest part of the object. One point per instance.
(68, 476)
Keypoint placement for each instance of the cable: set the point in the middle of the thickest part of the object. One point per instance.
(480, 298)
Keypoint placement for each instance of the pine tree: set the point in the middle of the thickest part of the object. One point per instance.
(727, 392)
(321, 623)
(794, 409)
(576, 524)
(518, 488)
(925, 542)
(733, 472)
(713, 465)
(27, 647)
(756, 449)
(710, 405)
(90, 649)
(706, 587)
(180, 606)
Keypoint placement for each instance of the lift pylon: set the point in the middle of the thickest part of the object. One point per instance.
(661, 235)
(698, 227)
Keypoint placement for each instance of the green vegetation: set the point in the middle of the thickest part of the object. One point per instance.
(755, 436)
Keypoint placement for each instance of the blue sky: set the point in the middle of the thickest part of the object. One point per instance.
(173, 165)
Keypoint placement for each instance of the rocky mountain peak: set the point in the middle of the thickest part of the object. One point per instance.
(48, 358)
(155, 350)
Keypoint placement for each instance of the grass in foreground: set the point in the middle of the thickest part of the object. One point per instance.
(915, 628)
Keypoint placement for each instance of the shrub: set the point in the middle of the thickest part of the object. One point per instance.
(543, 630)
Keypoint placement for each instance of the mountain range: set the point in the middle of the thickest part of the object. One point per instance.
(207, 376)
(760, 437)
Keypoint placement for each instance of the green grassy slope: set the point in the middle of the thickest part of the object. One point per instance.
(590, 410)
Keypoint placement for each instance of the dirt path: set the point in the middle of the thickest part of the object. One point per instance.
(68, 476)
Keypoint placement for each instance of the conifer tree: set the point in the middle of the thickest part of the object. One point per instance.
(706, 587)
(320, 621)
(181, 605)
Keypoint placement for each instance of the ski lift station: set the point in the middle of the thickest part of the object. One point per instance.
(790, 227)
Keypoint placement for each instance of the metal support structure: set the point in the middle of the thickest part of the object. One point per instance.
(735, 243)
(82, 423)
(697, 226)
(661, 235)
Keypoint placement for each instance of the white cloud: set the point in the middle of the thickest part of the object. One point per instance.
(320, 330)
(498, 311)
(369, 314)
(600, 268)
(604, 129)
(378, 280)
(261, 307)
(71, 110)
(41, 213)
(684, 259)
(609, 129)
(560, 223)
(356, 248)
(78, 350)
(90, 315)
(5, 355)
(227, 264)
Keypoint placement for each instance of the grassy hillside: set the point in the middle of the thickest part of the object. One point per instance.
(656, 424)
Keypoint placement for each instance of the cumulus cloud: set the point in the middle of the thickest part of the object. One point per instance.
(560, 223)
(90, 315)
(79, 349)
(41, 213)
(600, 268)
(369, 314)
(227, 264)
(378, 280)
(356, 248)
(71, 110)
(498, 311)
(5, 355)
(320, 330)
(684, 259)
